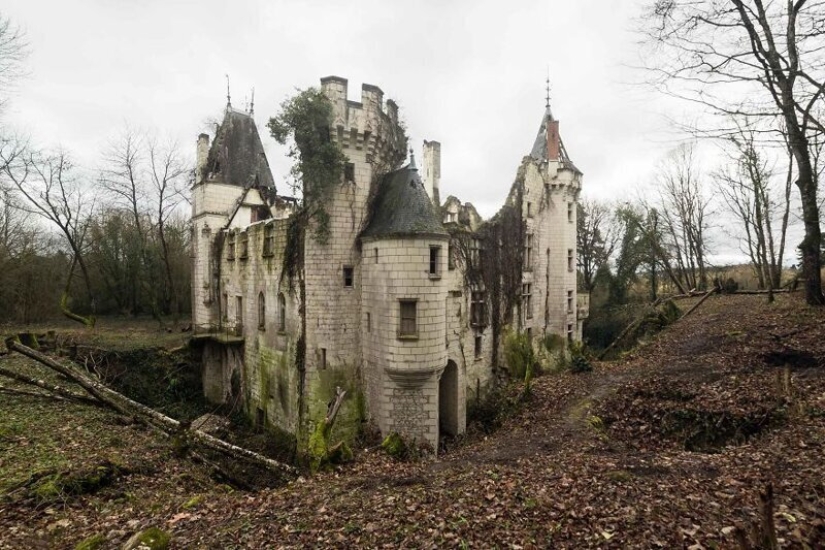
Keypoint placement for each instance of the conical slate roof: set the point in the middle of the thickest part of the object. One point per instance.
(539, 151)
(401, 207)
(237, 155)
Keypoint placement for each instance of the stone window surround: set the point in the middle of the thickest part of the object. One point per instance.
(434, 270)
(407, 334)
(348, 273)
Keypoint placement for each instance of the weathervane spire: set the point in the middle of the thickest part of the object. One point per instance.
(228, 96)
(547, 101)
(252, 103)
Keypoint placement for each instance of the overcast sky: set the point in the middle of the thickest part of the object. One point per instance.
(470, 74)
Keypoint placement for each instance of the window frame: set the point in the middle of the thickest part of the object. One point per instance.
(281, 313)
(348, 272)
(404, 333)
(434, 264)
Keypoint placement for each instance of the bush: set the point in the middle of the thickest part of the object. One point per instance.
(519, 355)
(401, 448)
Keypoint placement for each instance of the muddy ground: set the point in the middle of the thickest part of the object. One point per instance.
(668, 446)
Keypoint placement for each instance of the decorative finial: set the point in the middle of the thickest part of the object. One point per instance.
(252, 103)
(412, 160)
(547, 103)
(228, 96)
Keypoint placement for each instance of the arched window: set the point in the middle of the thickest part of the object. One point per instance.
(261, 311)
(281, 312)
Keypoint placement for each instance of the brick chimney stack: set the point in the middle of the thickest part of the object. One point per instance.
(553, 141)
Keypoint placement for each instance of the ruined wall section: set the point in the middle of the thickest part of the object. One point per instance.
(333, 346)
(251, 288)
(402, 370)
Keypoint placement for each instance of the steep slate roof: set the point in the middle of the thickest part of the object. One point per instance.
(539, 151)
(237, 155)
(402, 208)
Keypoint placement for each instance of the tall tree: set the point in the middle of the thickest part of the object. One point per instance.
(13, 52)
(746, 185)
(757, 59)
(595, 240)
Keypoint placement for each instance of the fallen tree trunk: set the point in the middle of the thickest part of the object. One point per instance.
(128, 407)
(42, 384)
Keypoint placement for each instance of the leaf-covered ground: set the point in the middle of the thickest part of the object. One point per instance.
(668, 447)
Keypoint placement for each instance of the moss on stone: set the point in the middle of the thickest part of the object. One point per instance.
(395, 446)
(149, 539)
(92, 543)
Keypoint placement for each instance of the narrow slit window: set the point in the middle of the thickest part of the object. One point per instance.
(569, 301)
(349, 173)
(477, 347)
(435, 252)
(570, 260)
(281, 312)
(348, 276)
(261, 311)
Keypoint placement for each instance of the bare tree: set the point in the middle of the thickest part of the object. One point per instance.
(681, 216)
(762, 213)
(596, 239)
(47, 183)
(13, 52)
(756, 59)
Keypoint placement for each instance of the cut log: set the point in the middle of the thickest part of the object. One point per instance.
(128, 407)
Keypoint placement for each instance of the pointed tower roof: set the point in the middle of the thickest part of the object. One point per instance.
(237, 155)
(401, 207)
(539, 151)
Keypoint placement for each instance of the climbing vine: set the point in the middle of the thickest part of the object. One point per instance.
(304, 121)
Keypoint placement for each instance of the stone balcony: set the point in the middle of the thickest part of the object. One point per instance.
(226, 333)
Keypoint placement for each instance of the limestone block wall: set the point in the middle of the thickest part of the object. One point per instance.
(402, 371)
(250, 292)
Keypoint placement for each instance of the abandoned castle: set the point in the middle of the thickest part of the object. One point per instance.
(405, 305)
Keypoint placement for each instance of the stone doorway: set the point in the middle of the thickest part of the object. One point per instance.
(448, 401)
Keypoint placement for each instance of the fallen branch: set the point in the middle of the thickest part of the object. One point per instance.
(25, 393)
(620, 337)
(128, 407)
(699, 303)
(57, 390)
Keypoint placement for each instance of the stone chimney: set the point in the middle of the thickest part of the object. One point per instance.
(202, 155)
(432, 170)
(553, 141)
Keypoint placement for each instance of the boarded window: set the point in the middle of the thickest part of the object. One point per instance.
(407, 326)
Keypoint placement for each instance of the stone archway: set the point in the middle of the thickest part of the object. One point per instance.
(449, 401)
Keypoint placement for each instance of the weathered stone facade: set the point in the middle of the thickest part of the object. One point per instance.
(384, 307)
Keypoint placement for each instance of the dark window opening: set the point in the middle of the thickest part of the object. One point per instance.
(349, 172)
(478, 315)
(244, 246)
(230, 255)
(269, 240)
(261, 311)
(477, 347)
(369, 322)
(322, 360)
(435, 270)
(527, 300)
(348, 277)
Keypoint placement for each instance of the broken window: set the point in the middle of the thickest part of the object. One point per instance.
(244, 245)
(475, 253)
(230, 254)
(527, 300)
(261, 311)
(348, 276)
(281, 312)
(407, 325)
(435, 269)
(269, 240)
(478, 317)
(528, 251)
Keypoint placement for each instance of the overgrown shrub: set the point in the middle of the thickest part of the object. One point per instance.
(404, 449)
(519, 356)
(578, 360)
